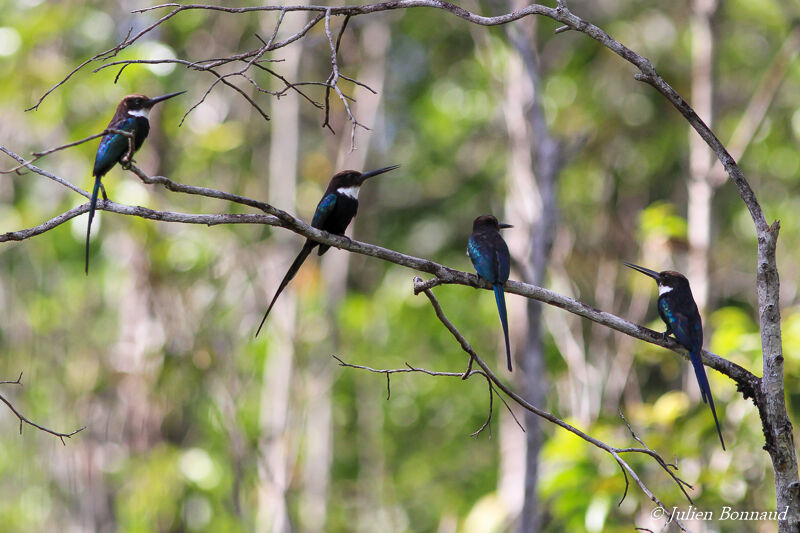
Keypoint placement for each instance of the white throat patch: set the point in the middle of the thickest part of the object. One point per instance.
(350, 192)
(144, 112)
(663, 289)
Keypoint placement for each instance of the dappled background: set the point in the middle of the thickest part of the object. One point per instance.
(192, 424)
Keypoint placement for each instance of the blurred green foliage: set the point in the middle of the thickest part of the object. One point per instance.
(153, 352)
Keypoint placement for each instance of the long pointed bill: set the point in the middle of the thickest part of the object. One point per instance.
(646, 271)
(503, 225)
(153, 101)
(372, 173)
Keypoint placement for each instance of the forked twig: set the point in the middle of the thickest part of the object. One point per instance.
(25, 420)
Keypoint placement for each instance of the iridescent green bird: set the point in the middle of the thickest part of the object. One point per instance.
(333, 214)
(131, 116)
(489, 255)
(678, 310)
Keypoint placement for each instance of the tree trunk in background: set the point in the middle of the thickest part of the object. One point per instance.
(374, 45)
(701, 159)
(277, 442)
(133, 420)
(531, 205)
(318, 428)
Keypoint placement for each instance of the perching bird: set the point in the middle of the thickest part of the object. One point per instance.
(131, 116)
(678, 310)
(489, 254)
(334, 212)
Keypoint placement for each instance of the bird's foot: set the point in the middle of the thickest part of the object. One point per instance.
(126, 162)
(103, 191)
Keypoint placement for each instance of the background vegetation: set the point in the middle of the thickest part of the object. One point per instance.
(154, 351)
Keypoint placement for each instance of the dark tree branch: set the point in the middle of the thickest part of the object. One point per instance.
(25, 420)
(770, 395)
(746, 381)
(409, 368)
(39, 155)
(768, 392)
(496, 385)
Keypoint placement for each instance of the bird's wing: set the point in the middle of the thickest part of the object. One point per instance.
(323, 211)
(503, 260)
(483, 257)
(689, 333)
(113, 146)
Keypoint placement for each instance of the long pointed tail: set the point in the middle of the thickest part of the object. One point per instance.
(301, 257)
(499, 295)
(705, 389)
(92, 206)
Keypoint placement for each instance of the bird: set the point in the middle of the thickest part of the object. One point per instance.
(489, 255)
(333, 214)
(678, 310)
(132, 117)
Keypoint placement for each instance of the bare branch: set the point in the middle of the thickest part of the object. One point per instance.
(496, 383)
(746, 381)
(768, 393)
(41, 172)
(614, 452)
(333, 80)
(488, 422)
(111, 52)
(39, 155)
(561, 14)
(141, 212)
(289, 86)
(25, 420)
(17, 381)
(668, 467)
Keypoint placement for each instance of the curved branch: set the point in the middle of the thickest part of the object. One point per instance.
(768, 393)
(614, 452)
(495, 382)
(23, 419)
(209, 219)
(42, 172)
(747, 382)
(560, 13)
(39, 155)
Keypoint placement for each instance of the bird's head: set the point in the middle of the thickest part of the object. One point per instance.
(138, 105)
(348, 182)
(489, 221)
(667, 280)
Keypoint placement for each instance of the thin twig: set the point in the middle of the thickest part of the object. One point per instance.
(496, 385)
(614, 452)
(746, 381)
(39, 155)
(409, 368)
(17, 381)
(488, 422)
(333, 81)
(25, 420)
(669, 467)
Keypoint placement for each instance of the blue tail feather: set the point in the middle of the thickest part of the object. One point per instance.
(705, 388)
(308, 247)
(92, 206)
(501, 308)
